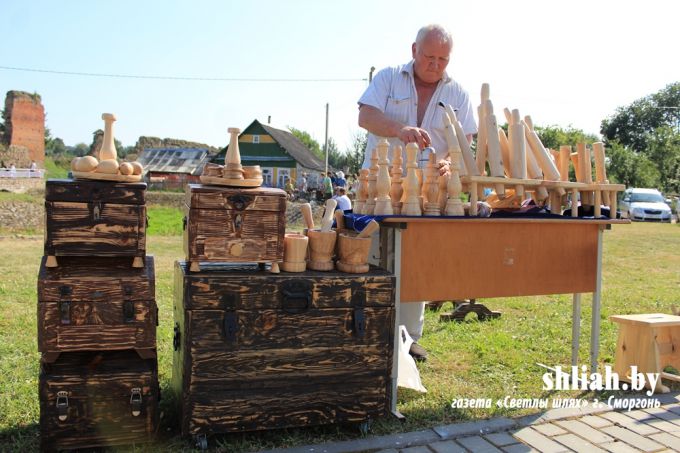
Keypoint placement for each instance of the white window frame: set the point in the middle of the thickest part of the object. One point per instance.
(283, 173)
(256, 139)
(267, 173)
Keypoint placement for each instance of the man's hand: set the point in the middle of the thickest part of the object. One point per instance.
(412, 134)
(444, 167)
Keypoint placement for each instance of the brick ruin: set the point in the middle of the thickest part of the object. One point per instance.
(24, 119)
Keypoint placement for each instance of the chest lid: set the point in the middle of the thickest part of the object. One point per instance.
(96, 279)
(235, 198)
(84, 190)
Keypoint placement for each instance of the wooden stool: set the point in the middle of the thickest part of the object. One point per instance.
(649, 341)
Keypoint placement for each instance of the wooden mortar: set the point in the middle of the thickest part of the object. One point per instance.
(294, 252)
(353, 253)
(321, 248)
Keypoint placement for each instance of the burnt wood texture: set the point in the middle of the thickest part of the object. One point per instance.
(93, 304)
(224, 224)
(94, 218)
(96, 399)
(255, 350)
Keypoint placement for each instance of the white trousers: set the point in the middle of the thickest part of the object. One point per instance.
(412, 316)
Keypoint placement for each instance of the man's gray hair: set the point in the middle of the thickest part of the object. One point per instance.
(437, 30)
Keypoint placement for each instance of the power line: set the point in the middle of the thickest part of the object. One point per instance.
(156, 77)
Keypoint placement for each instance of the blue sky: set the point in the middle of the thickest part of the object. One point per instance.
(564, 63)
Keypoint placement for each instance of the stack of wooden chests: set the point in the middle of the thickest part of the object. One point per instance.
(257, 350)
(97, 317)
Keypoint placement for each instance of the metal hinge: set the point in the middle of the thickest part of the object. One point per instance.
(62, 405)
(136, 401)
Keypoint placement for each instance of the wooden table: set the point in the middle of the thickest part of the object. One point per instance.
(469, 258)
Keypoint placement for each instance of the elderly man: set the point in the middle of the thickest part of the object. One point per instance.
(401, 104)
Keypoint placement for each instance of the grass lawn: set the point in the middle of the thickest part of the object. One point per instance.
(494, 359)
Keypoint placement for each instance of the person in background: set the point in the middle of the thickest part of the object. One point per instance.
(402, 104)
(12, 170)
(340, 180)
(344, 203)
(32, 169)
(327, 186)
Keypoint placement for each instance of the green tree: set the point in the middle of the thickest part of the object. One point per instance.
(80, 150)
(630, 168)
(555, 136)
(632, 125)
(308, 141)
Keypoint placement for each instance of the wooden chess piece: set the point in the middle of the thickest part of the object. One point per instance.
(493, 150)
(108, 149)
(232, 167)
(431, 187)
(411, 205)
(383, 203)
(362, 192)
(369, 207)
(454, 206)
(442, 194)
(396, 189)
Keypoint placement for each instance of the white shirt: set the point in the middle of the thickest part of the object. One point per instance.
(393, 92)
(344, 202)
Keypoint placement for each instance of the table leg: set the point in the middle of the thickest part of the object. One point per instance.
(397, 304)
(575, 328)
(595, 321)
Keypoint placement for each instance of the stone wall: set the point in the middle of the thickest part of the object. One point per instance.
(21, 185)
(17, 155)
(25, 123)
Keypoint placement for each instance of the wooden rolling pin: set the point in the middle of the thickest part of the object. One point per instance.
(468, 157)
(493, 148)
(306, 209)
(370, 228)
(601, 169)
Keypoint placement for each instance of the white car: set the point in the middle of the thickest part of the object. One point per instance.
(644, 204)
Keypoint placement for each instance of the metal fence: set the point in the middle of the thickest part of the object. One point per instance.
(21, 173)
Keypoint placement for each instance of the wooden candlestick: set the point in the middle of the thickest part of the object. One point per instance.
(383, 203)
(431, 188)
(108, 149)
(442, 194)
(396, 189)
(493, 149)
(454, 206)
(362, 193)
(411, 205)
(232, 167)
(369, 207)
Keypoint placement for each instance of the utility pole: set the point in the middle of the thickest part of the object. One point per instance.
(370, 74)
(325, 146)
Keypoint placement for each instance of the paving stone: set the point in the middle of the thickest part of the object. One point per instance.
(397, 441)
(631, 438)
(577, 443)
(478, 445)
(389, 450)
(518, 448)
(421, 449)
(549, 429)
(666, 439)
(639, 415)
(663, 425)
(630, 423)
(500, 439)
(664, 414)
(473, 428)
(581, 429)
(596, 421)
(446, 446)
(619, 447)
(538, 441)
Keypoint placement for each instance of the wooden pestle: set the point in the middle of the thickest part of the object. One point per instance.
(370, 228)
(327, 220)
(306, 209)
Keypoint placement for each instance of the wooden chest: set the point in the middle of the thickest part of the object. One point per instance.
(255, 350)
(94, 218)
(224, 224)
(95, 399)
(96, 304)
